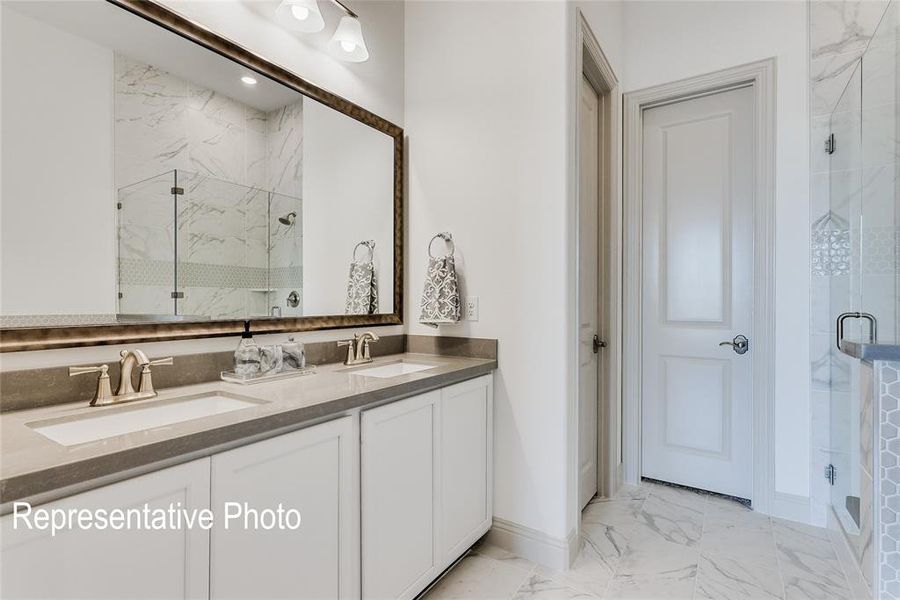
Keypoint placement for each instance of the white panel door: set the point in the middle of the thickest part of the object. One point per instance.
(697, 292)
(314, 470)
(588, 295)
(465, 470)
(400, 451)
(96, 564)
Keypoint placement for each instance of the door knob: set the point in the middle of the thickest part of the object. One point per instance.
(740, 344)
(598, 343)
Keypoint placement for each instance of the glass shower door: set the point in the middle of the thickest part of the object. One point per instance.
(146, 238)
(835, 236)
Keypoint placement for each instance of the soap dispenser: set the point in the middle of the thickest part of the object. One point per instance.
(246, 357)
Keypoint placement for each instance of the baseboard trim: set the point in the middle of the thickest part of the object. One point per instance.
(791, 507)
(534, 545)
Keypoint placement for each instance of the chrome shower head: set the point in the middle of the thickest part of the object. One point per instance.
(288, 219)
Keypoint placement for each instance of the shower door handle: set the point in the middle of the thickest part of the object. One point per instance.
(740, 344)
(873, 326)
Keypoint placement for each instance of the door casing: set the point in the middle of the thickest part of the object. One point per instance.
(592, 64)
(761, 76)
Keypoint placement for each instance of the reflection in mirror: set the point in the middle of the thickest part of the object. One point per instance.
(146, 178)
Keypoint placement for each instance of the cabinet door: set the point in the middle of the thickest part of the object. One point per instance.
(399, 452)
(466, 465)
(314, 470)
(95, 564)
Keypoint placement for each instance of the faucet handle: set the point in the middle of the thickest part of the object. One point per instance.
(103, 395)
(351, 354)
(103, 369)
(146, 383)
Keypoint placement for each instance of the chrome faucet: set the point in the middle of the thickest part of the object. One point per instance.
(125, 392)
(358, 348)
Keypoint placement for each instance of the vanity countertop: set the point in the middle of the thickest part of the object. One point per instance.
(35, 467)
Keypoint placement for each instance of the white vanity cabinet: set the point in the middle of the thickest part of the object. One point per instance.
(426, 485)
(98, 564)
(378, 520)
(315, 470)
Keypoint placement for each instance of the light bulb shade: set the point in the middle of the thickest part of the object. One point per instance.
(348, 43)
(288, 12)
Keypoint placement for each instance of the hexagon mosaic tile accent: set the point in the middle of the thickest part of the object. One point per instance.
(887, 378)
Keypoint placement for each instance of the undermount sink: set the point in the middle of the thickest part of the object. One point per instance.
(394, 369)
(130, 419)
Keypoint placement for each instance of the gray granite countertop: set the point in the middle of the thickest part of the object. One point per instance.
(871, 352)
(33, 466)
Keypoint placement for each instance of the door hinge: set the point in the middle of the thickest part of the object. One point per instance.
(177, 191)
(830, 474)
(829, 144)
(177, 295)
(119, 205)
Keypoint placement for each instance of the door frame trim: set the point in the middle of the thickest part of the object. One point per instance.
(761, 77)
(589, 60)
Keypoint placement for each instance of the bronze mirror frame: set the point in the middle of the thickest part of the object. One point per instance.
(44, 338)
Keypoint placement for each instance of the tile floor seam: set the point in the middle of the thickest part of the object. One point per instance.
(628, 539)
(700, 546)
(525, 581)
(841, 566)
(777, 557)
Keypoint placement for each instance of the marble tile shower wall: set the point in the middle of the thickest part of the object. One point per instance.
(839, 33)
(228, 157)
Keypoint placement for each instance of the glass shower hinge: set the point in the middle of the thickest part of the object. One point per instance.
(830, 474)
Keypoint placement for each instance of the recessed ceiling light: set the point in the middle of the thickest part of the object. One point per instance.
(248, 80)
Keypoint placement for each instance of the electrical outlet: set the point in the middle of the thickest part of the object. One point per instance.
(471, 308)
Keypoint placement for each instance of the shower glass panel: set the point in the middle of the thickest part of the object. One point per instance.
(833, 241)
(196, 247)
(221, 250)
(878, 217)
(146, 245)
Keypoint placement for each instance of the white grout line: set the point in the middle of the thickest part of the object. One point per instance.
(777, 559)
(628, 538)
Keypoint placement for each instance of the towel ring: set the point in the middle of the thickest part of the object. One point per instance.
(447, 237)
(370, 244)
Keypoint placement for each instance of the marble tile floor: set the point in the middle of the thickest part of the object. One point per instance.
(654, 542)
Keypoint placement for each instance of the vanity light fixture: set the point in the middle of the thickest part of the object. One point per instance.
(249, 80)
(347, 42)
(304, 16)
(300, 15)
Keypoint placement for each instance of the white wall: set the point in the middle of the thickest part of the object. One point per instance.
(57, 191)
(348, 184)
(667, 41)
(487, 114)
(376, 85)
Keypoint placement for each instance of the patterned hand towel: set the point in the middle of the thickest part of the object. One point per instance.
(440, 299)
(362, 292)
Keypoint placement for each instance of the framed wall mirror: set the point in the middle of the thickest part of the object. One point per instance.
(161, 182)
